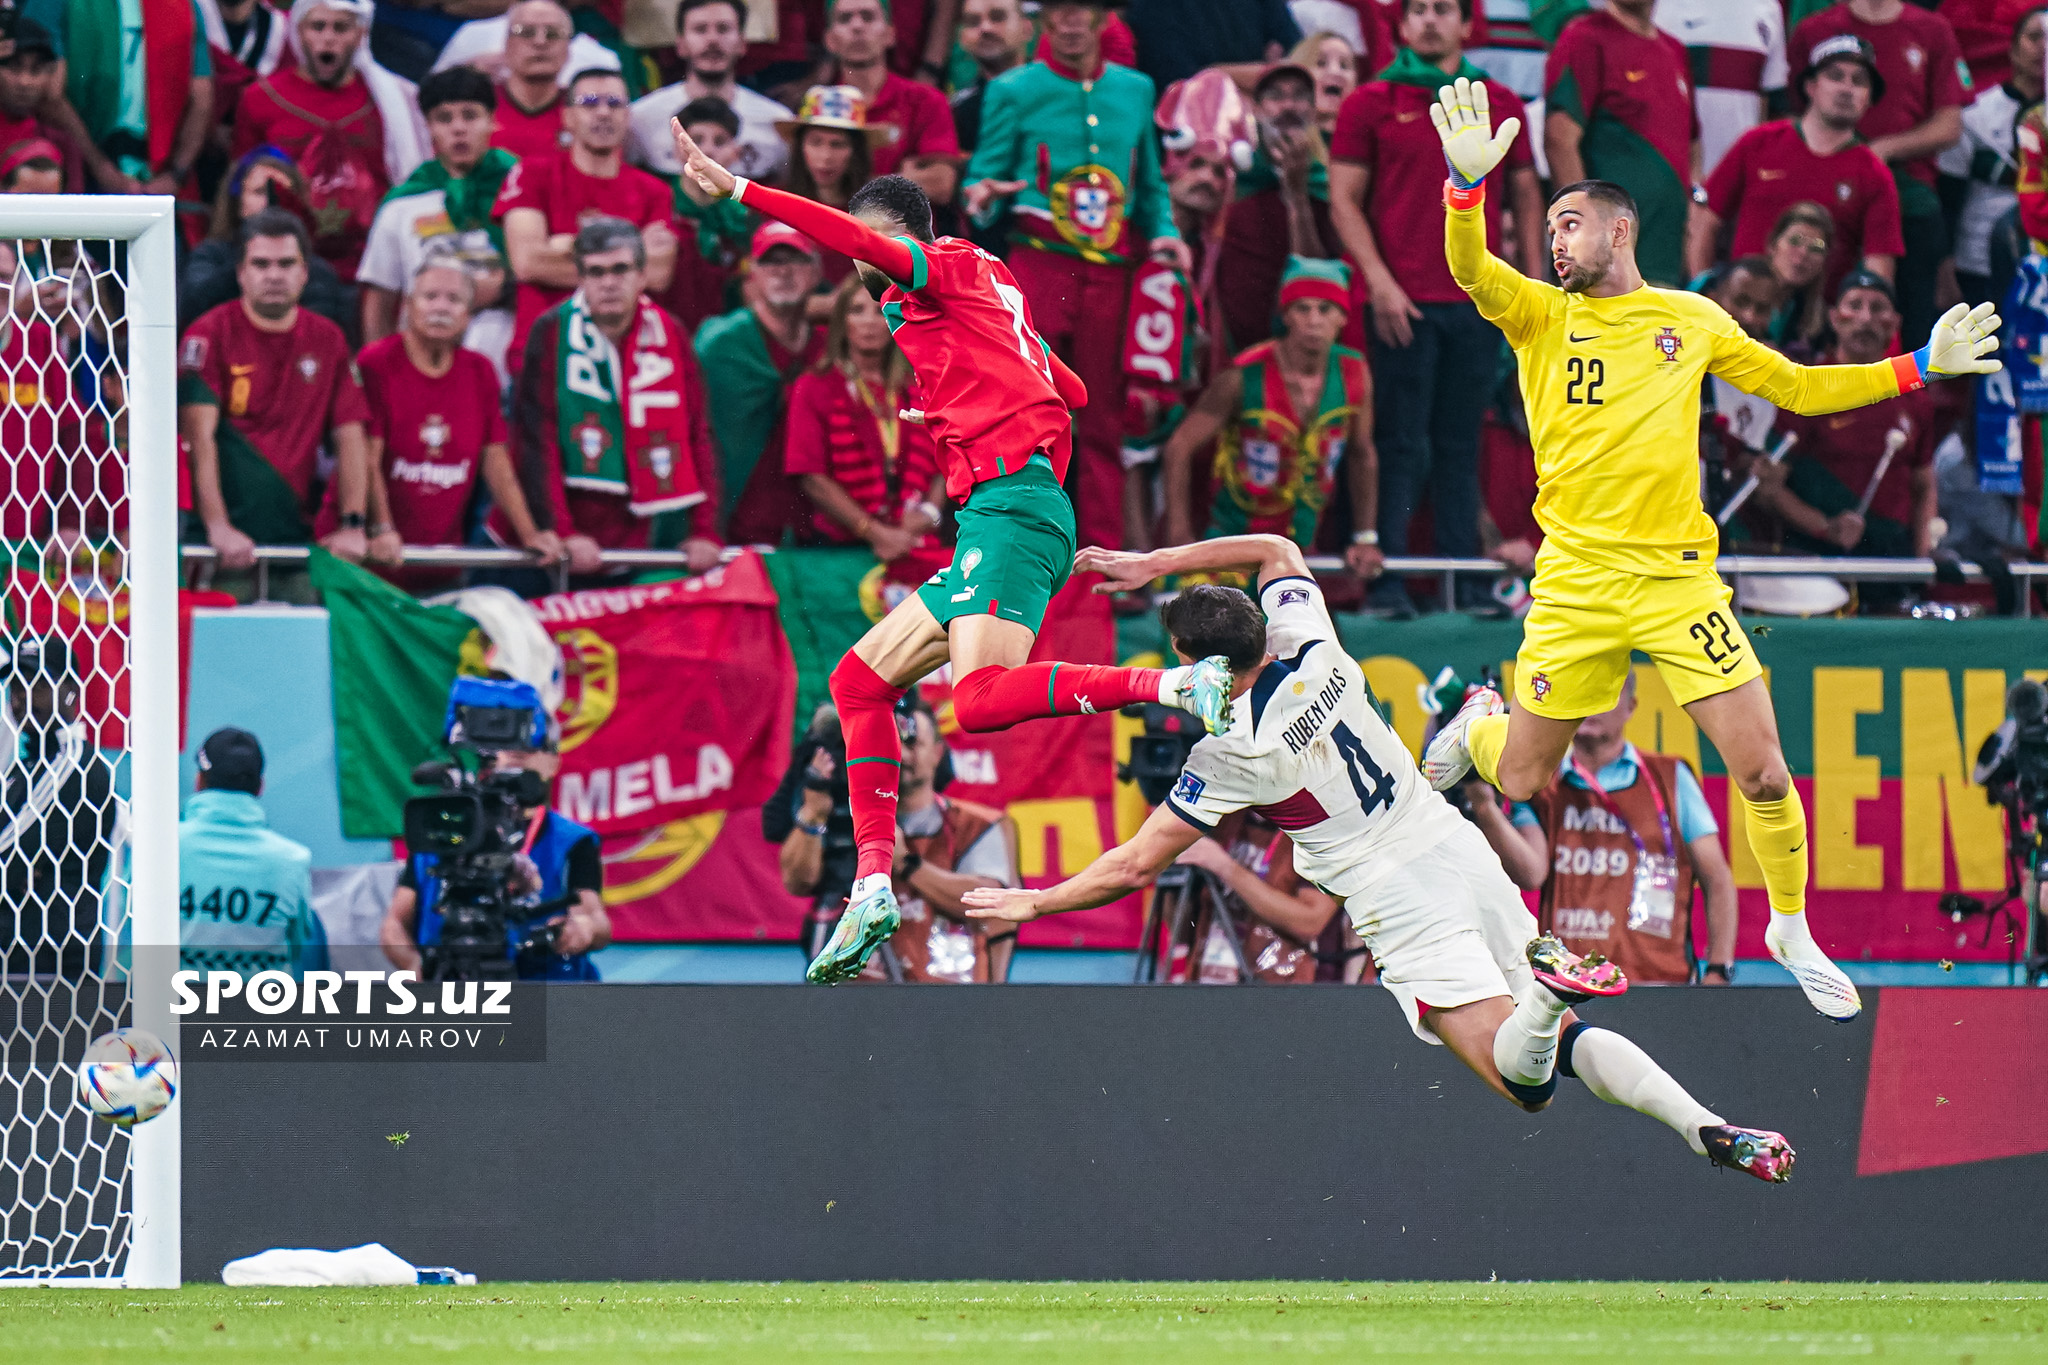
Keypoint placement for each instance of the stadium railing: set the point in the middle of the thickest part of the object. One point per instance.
(1732, 567)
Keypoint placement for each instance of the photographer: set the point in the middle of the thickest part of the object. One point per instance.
(944, 848)
(1282, 923)
(557, 860)
(810, 818)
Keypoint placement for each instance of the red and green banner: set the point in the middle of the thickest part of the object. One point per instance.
(715, 877)
(676, 716)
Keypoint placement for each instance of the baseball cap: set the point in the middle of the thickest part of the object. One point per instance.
(232, 760)
(1866, 279)
(39, 656)
(772, 234)
(30, 36)
(1855, 49)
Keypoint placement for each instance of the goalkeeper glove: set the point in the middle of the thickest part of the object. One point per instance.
(1465, 124)
(1961, 343)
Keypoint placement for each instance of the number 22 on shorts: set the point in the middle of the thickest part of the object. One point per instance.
(1718, 642)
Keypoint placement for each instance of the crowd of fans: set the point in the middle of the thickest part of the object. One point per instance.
(442, 283)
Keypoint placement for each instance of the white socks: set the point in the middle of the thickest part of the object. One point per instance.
(1171, 680)
(1621, 1073)
(1525, 1045)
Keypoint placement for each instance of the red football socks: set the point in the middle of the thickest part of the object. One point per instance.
(996, 698)
(874, 754)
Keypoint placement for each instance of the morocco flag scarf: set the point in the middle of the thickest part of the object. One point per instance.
(622, 420)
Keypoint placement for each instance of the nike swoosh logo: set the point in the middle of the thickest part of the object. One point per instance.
(1770, 175)
(1594, 337)
(1408, 117)
(1635, 75)
(1796, 847)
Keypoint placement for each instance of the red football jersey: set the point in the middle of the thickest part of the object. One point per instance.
(990, 399)
(994, 393)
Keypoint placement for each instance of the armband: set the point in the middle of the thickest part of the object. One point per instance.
(740, 185)
(1911, 370)
(1459, 199)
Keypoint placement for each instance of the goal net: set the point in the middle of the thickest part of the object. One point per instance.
(88, 737)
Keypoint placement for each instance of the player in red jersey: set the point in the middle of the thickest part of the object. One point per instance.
(998, 403)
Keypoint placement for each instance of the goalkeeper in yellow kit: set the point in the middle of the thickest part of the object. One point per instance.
(1610, 374)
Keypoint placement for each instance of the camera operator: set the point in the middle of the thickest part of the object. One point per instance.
(2012, 767)
(559, 858)
(944, 848)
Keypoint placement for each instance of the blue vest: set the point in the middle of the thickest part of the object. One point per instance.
(245, 900)
(550, 854)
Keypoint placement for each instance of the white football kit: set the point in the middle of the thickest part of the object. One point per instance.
(1308, 750)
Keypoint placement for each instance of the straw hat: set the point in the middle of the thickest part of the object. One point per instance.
(833, 106)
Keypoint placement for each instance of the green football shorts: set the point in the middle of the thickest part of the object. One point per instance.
(1016, 549)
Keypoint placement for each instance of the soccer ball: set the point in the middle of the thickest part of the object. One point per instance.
(128, 1077)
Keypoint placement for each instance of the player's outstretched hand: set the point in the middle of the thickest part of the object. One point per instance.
(1963, 342)
(1124, 570)
(1001, 903)
(710, 177)
(1465, 124)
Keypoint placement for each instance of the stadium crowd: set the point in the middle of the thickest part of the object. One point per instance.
(442, 284)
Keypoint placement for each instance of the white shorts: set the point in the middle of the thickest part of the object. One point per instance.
(1446, 928)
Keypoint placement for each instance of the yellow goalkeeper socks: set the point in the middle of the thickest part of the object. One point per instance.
(1485, 738)
(1777, 835)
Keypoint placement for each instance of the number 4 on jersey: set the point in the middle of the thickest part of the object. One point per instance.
(1374, 786)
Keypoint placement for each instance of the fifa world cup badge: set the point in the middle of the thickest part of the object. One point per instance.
(1668, 342)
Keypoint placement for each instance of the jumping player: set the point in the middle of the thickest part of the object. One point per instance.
(998, 403)
(1455, 944)
(1610, 373)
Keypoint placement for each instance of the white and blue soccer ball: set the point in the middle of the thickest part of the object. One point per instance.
(127, 1077)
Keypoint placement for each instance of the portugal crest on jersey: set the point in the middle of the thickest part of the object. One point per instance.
(1087, 206)
(1668, 343)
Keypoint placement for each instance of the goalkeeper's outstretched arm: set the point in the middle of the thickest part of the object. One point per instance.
(1505, 297)
(1963, 343)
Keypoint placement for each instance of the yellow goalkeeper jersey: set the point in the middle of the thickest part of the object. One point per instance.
(1612, 390)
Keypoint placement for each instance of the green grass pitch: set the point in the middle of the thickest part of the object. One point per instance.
(888, 1321)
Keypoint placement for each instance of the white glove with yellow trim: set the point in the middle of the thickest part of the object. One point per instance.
(1471, 146)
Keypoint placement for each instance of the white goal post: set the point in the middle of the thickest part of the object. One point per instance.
(92, 280)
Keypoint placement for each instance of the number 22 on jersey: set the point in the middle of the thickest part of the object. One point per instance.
(1583, 378)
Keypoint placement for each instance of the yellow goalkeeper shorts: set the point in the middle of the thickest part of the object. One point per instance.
(1586, 620)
